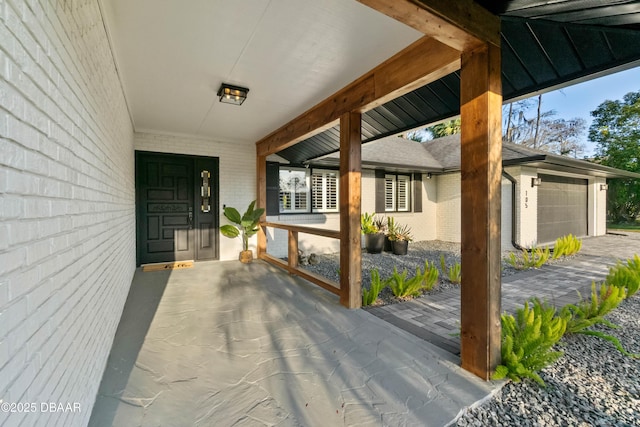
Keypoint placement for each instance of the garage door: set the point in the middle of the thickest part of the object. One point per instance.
(562, 207)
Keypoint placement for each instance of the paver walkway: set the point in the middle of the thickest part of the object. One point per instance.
(224, 344)
(435, 318)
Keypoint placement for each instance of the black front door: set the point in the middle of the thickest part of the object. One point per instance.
(177, 204)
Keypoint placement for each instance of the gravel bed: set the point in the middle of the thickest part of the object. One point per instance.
(593, 384)
(418, 254)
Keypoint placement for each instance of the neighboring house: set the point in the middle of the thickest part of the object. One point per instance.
(544, 196)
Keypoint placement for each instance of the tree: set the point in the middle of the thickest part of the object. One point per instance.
(564, 137)
(450, 127)
(540, 130)
(616, 131)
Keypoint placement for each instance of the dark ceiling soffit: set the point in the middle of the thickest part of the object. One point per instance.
(613, 13)
(537, 55)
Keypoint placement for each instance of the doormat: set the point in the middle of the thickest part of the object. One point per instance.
(159, 266)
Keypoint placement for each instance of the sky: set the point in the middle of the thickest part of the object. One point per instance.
(579, 100)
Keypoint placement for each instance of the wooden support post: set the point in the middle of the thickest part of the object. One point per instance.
(261, 189)
(350, 199)
(293, 249)
(481, 164)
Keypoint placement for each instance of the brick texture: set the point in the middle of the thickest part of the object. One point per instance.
(67, 237)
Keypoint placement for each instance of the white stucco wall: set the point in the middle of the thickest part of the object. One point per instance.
(527, 202)
(67, 217)
(237, 174)
(600, 209)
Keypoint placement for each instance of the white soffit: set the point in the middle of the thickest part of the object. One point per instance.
(172, 56)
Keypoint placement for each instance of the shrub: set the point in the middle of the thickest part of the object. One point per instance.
(589, 313)
(566, 245)
(453, 273)
(369, 296)
(403, 287)
(535, 258)
(430, 276)
(527, 341)
(626, 276)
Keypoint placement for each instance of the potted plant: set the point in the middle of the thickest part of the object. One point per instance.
(245, 227)
(373, 235)
(391, 228)
(400, 239)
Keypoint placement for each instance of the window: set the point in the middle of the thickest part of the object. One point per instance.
(397, 193)
(302, 191)
(324, 190)
(294, 190)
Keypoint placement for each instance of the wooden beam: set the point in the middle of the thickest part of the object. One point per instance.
(332, 234)
(481, 165)
(261, 200)
(323, 282)
(293, 249)
(422, 62)
(461, 24)
(350, 200)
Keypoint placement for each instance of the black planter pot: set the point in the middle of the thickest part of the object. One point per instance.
(387, 244)
(400, 247)
(374, 243)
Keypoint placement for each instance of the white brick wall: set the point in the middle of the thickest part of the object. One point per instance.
(506, 215)
(449, 208)
(237, 173)
(67, 236)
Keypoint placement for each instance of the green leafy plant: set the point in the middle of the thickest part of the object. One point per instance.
(401, 232)
(369, 296)
(245, 225)
(402, 287)
(455, 273)
(534, 258)
(566, 246)
(452, 273)
(430, 276)
(585, 314)
(527, 341)
(626, 276)
(391, 225)
(368, 223)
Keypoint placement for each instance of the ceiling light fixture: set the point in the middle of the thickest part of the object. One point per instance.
(232, 94)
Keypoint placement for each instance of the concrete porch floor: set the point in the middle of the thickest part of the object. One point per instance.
(225, 344)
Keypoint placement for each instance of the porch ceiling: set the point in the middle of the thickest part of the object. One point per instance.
(173, 55)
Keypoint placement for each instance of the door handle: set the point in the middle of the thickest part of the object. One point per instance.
(190, 218)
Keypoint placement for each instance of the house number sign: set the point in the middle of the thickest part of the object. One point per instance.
(205, 191)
